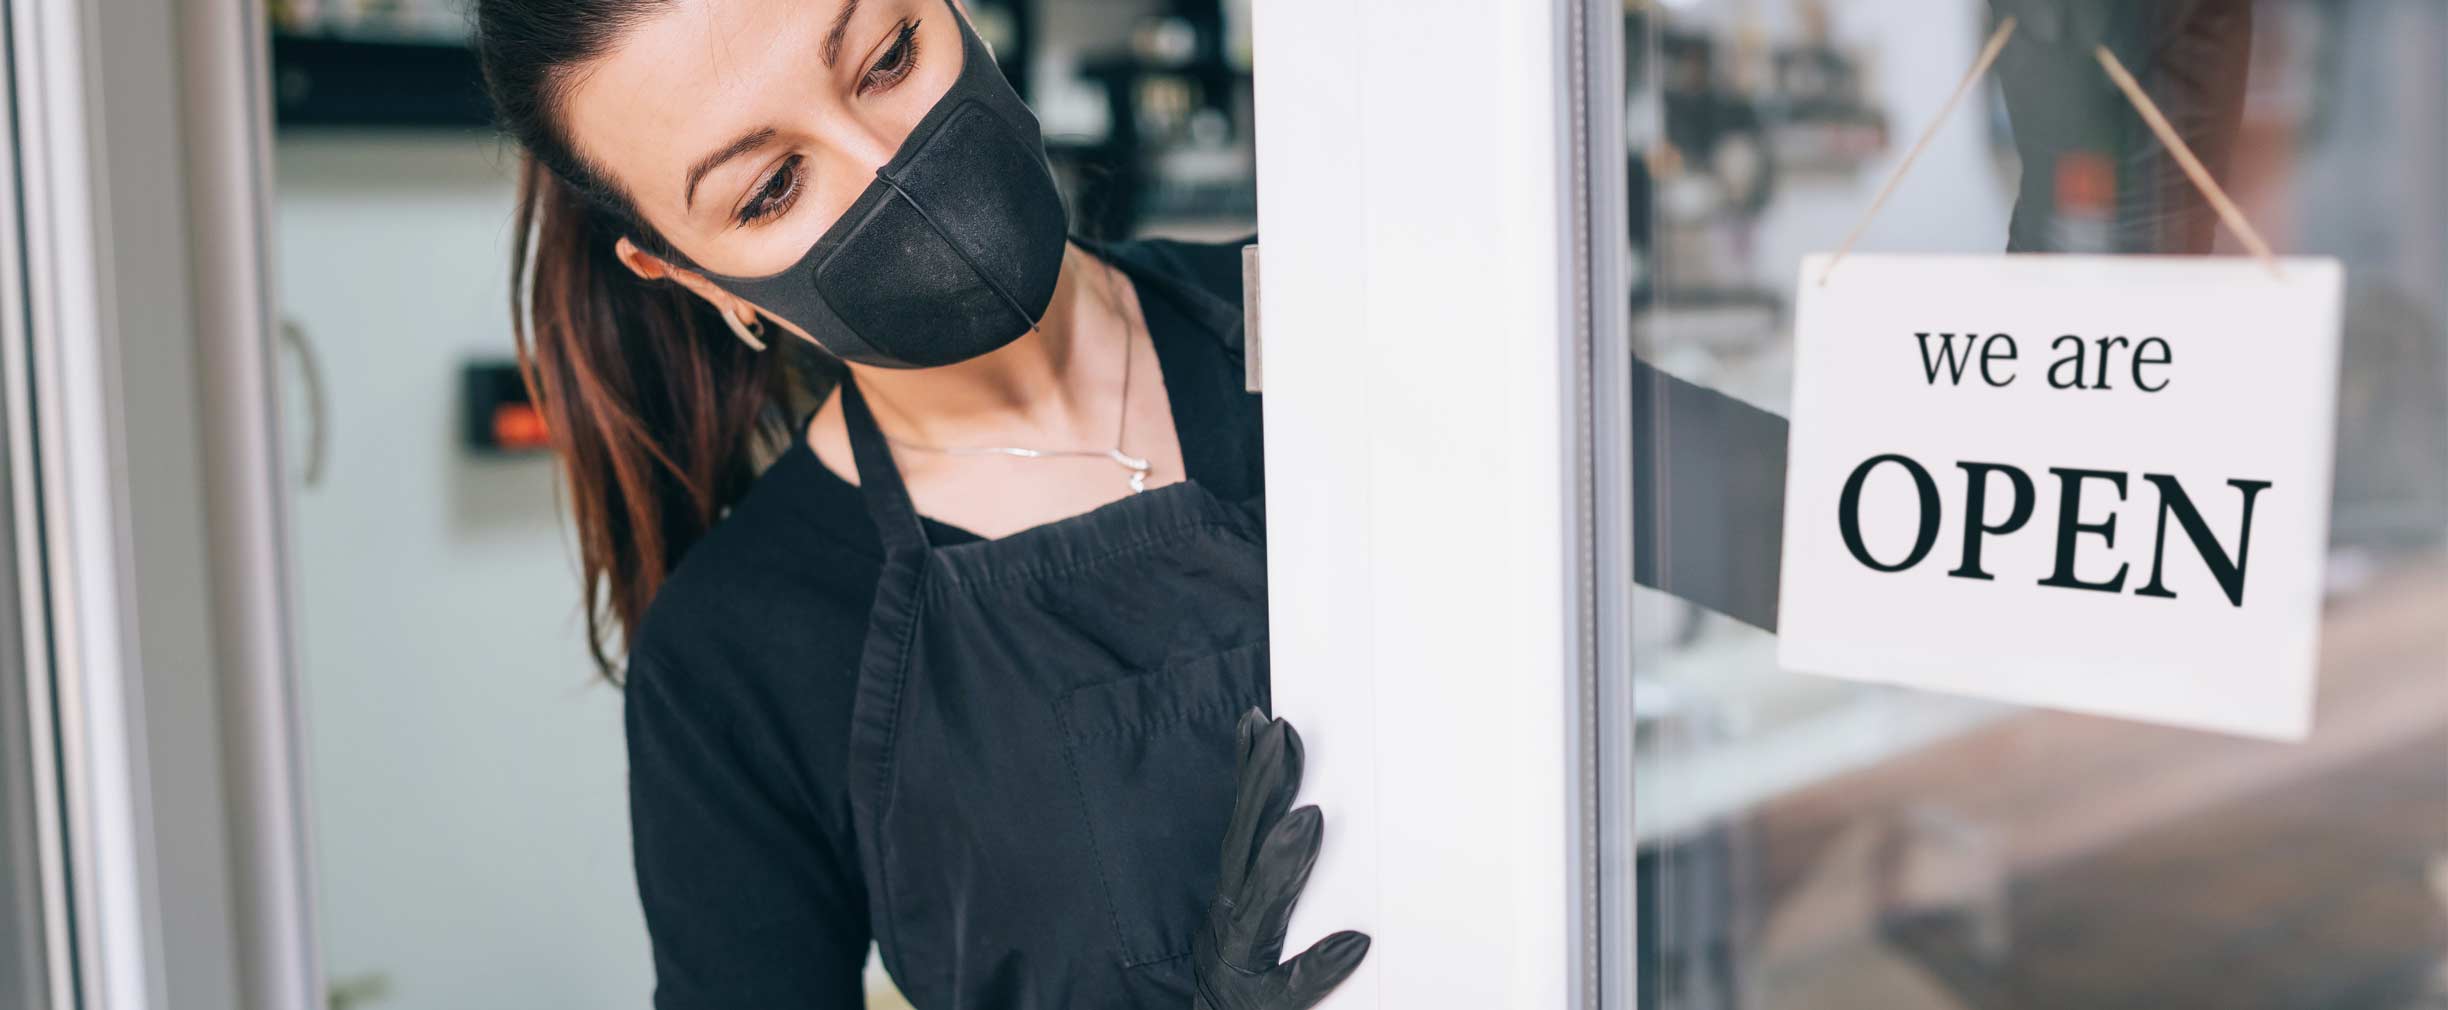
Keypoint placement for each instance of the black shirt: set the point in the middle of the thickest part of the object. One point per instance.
(740, 686)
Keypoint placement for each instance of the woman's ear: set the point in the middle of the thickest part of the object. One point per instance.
(646, 265)
(744, 317)
(650, 267)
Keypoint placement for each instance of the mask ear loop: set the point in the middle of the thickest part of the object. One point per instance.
(749, 332)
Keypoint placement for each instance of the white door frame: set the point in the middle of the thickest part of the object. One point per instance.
(147, 489)
(1427, 344)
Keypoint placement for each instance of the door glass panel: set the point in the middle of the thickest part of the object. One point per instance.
(1809, 842)
(28, 934)
(33, 880)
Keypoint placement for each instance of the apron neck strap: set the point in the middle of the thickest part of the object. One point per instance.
(888, 500)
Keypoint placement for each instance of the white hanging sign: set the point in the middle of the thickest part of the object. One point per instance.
(2092, 483)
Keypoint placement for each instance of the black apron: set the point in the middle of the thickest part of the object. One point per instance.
(1041, 752)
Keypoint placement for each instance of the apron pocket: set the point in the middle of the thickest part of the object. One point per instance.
(1152, 759)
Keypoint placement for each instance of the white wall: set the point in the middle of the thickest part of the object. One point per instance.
(467, 770)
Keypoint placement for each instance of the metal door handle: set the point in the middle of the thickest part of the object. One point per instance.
(293, 337)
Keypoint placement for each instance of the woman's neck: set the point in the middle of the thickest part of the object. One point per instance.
(1054, 387)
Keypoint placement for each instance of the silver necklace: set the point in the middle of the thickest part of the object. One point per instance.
(1136, 465)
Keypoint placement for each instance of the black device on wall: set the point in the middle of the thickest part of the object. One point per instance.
(496, 417)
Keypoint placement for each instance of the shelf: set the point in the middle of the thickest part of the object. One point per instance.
(328, 82)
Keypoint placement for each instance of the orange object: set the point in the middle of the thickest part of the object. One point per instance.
(2086, 183)
(519, 426)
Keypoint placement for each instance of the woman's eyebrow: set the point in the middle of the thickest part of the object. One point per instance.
(743, 144)
(841, 27)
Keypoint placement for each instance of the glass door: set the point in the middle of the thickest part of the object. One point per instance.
(145, 852)
(1798, 841)
(33, 923)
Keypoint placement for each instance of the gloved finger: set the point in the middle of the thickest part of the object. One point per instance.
(1296, 758)
(1236, 849)
(1281, 757)
(1318, 970)
(1290, 760)
(1244, 733)
(1263, 915)
(1265, 780)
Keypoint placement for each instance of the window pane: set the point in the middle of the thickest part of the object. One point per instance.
(1810, 842)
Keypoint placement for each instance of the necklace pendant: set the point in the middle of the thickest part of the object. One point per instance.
(1138, 467)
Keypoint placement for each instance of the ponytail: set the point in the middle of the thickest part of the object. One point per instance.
(659, 417)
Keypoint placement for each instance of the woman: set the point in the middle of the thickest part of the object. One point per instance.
(958, 672)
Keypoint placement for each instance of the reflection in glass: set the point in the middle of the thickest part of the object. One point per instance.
(1807, 842)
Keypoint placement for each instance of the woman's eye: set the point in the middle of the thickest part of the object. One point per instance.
(774, 195)
(896, 63)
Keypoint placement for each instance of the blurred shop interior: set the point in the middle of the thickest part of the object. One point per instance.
(1808, 842)
(468, 785)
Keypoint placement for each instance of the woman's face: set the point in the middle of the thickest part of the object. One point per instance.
(742, 129)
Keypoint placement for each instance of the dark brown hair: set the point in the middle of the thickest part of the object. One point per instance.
(658, 414)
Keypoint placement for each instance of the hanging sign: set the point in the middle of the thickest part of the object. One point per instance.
(2092, 483)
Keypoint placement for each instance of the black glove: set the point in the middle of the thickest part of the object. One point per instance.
(1238, 954)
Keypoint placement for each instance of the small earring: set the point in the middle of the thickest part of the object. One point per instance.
(749, 332)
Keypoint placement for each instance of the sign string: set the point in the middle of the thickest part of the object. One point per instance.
(2210, 190)
(2227, 210)
(1988, 55)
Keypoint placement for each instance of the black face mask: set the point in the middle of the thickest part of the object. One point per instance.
(952, 252)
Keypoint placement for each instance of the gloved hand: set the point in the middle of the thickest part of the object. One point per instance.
(1237, 956)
